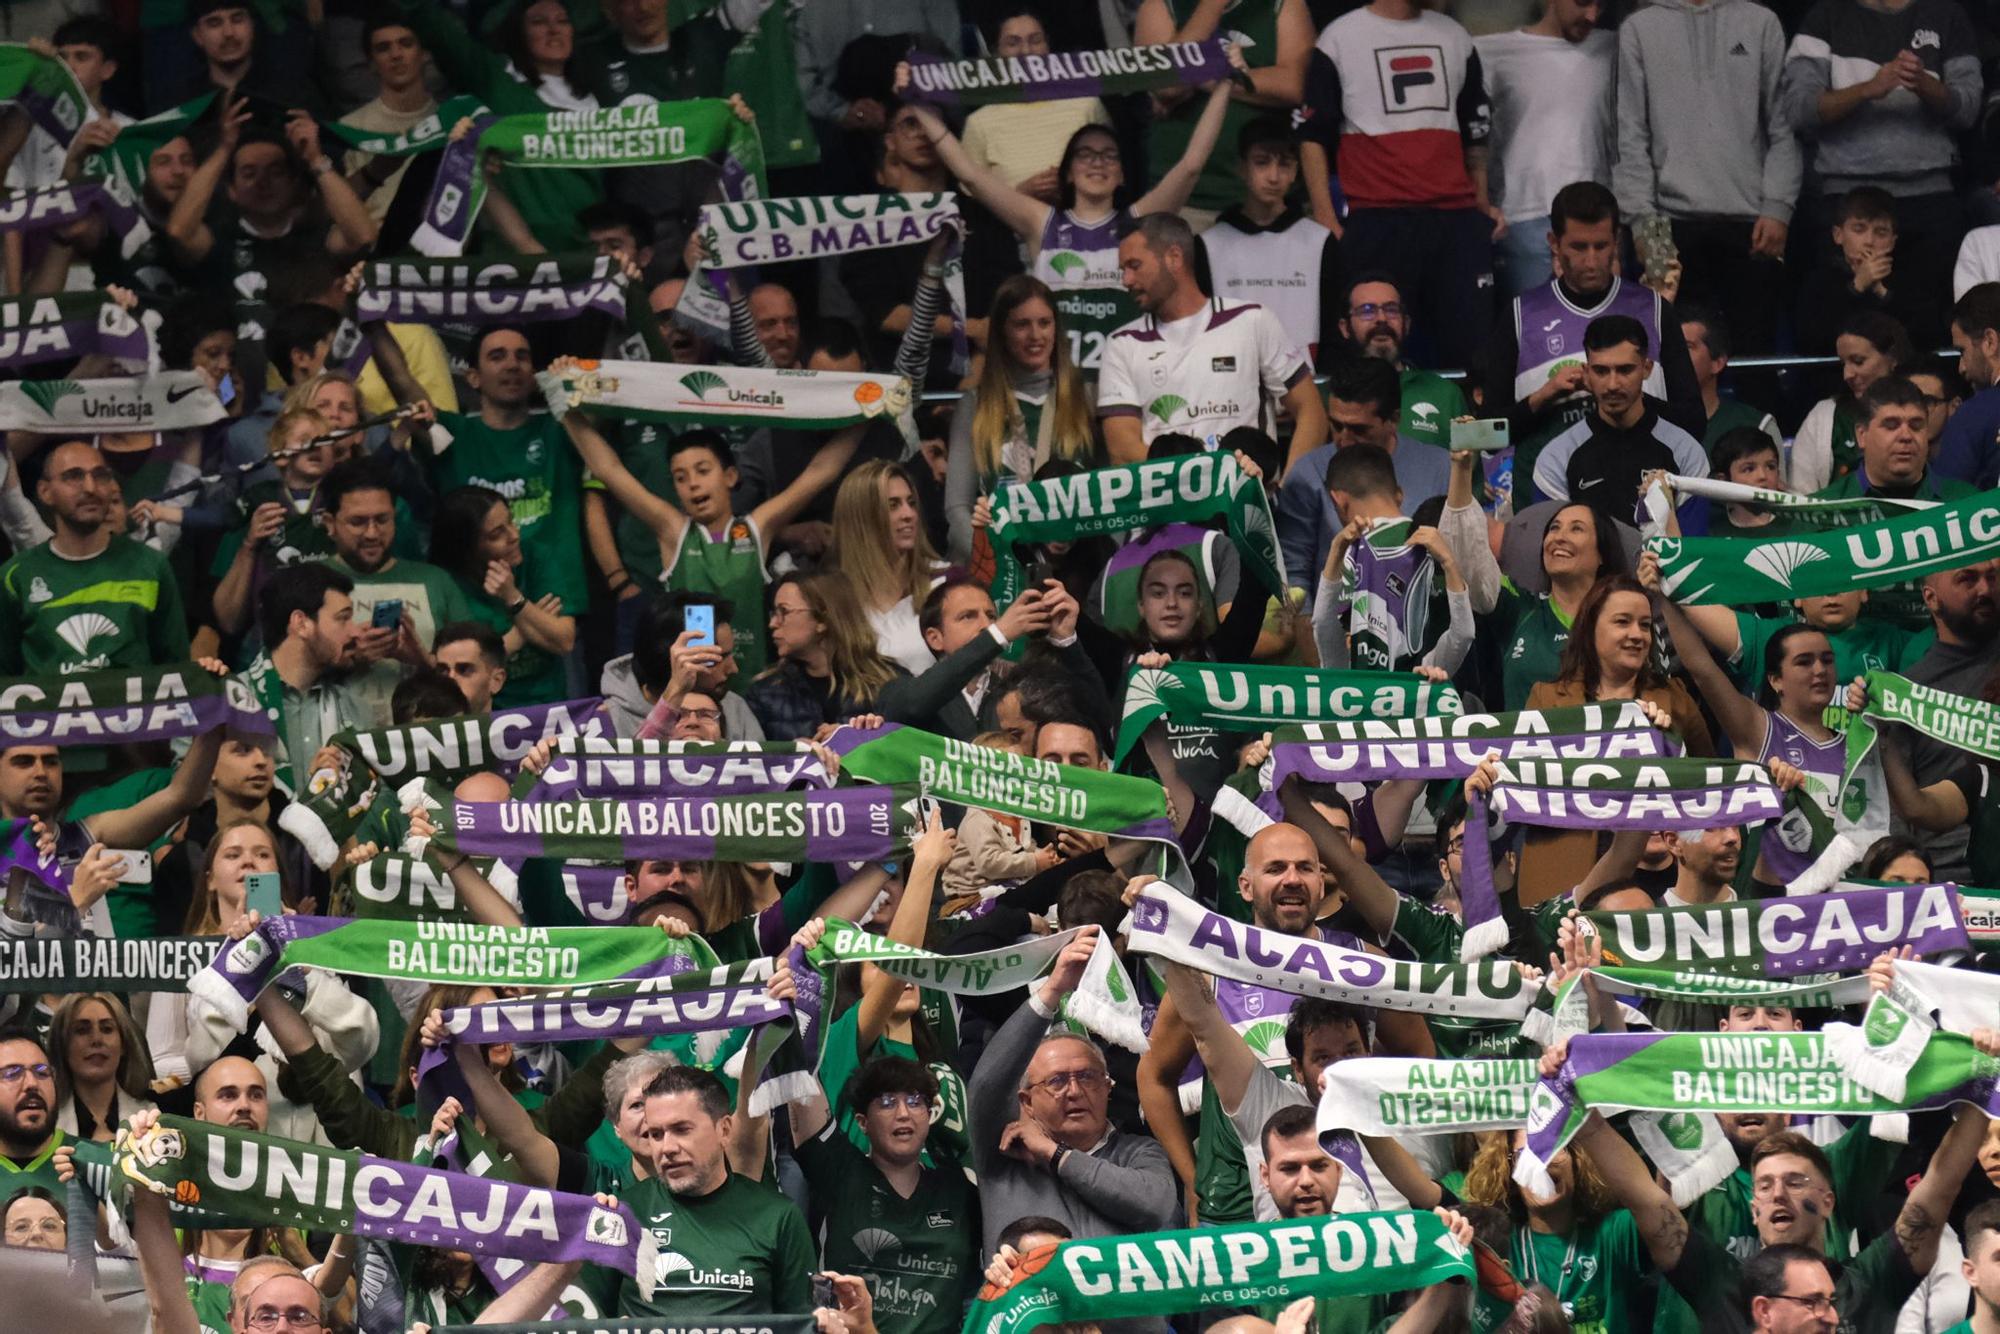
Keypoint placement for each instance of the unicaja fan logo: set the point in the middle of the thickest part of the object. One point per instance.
(1163, 408)
(45, 394)
(700, 382)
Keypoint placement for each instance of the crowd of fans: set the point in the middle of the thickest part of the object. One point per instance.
(1376, 249)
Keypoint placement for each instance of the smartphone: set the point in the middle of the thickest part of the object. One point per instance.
(700, 618)
(136, 867)
(263, 892)
(225, 389)
(388, 614)
(1484, 434)
(823, 1293)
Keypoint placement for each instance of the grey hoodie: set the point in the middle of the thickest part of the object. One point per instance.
(1700, 131)
(628, 705)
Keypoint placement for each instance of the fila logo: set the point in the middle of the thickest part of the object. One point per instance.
(1412, 78)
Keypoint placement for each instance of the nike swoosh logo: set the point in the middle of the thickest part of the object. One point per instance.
(176, 395)
(1585, 486)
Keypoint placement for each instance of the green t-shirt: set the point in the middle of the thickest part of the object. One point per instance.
(1868, 1290)
(843, 1057)
(919, 1254)
(300, 538)
(741, 1249)
(1865, 646)
(120, 608)
(430, 596)
(1731, 415)
(1219, 185)
(534, 467)
(534, 675)
(728, 564)
(1532, 632)
(1595, 1272)
(1435, 936)
(1430, 403)
(690, 65)
(37, 1171)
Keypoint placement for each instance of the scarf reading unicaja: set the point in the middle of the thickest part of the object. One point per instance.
(283, 1182)
(169, 401)
(678, 395)
(65, 205)
(1453, 745)
(1243, 1264)
(1254, 699)
(112, 707)
(590, 766)
(491, 288)
(1671, 793)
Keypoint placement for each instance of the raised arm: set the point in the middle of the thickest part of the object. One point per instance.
(1226, 1057)
(187, 228)
(822, 471)
(1922, 1217)
(1414, 1184)
(138, 825)
(1741, 717)
(536, 1293)
(1660, 1224)
(906, 927)
(1366, 890)
(1023, 214)
(666, 521)
(1171, 192)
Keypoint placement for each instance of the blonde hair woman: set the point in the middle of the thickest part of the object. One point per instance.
(1031, 406)
(879, 543)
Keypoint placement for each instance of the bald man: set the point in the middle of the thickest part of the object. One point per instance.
(231, 1092)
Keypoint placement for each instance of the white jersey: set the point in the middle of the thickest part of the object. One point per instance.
(1278, 267)
(1202, 376)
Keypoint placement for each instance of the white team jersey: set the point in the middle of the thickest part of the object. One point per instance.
(1201, 376)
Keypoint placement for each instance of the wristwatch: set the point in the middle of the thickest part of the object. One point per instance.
(322, 166)
(514, 607)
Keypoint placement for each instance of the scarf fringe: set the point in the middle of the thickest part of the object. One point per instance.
(1874, 1069)
(304, 824)
(1841, 852)
(1482, 939)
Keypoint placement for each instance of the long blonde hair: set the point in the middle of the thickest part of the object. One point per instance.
(134, 1075)
(858, 670)
(1490, 1180)
(996, 414)
(862, 547)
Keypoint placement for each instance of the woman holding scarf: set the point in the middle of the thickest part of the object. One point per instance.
(1031, 407)
(1609, 656)
(1072, 245)
(1783, 724)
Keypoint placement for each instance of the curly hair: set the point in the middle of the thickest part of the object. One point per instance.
(1490, 1180)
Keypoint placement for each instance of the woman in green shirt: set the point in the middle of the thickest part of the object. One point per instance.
(475, 540)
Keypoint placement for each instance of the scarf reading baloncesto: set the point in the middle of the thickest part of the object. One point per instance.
(1056, 75)
(169, 401)
(112, 707)
(1243, 1264)
(1740, 571)
(438, 952)
(98, 963)
(249, 1176)
(678, 395)
(1392, 1095)
(1686, 1073)
(1671, 793)
(35, 329)
(636, 134)
(1191, 488)
(1176, 928)
(1252, 699)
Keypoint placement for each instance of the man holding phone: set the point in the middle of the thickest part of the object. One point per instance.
(400, 603)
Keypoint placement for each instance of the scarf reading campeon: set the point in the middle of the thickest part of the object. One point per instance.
(1190, 488)
(35, 329)
(1796, 1073)
(1241, 1264)
(847, 824)
(1252, 699)
(634, 134)
(678, 395)
(284, 1182)
(1176, 928)
(169, 401)
(1055, 75)
(492, 288)
(438, 952)
(1670, 793)
(1740, 571)
(113, 707)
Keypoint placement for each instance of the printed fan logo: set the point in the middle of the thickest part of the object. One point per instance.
(873, 1241)
(1682, 1129)
(607, 1228)
(1165, 406)
(1779, 561)
(1066, 262)
(1884, 1023)
(80, 631)
(45, 394)
(699, 383)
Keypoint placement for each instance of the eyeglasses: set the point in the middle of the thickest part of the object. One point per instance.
(889, 1102)
(1096, 157)
(703, 715)
(1816, 1304)
(782, 613)
(1088, 1081)
(1455, 845)
(1793, 1181)
(1368, 310)
(13, 1074)
(296, 1318)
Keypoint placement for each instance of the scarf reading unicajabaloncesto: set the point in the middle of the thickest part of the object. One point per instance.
(1066, 74)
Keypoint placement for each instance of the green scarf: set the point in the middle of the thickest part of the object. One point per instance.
(430, 133)
(1151, 1274)
(1191, 488)
(1740, 571)
(1252, 699)
(1842, 513)
(114, 706)
(125, 158)
(43, 87)
(393, 888)
(639, 134)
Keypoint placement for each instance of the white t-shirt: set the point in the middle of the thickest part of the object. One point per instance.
(1552, 115)
(1203, 375)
